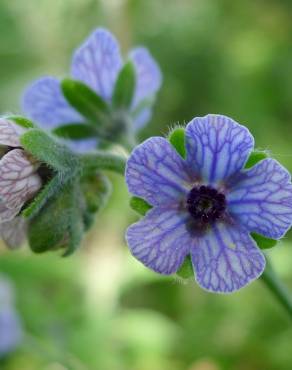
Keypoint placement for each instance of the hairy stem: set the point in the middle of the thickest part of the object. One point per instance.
(276, 286)
(100, 160)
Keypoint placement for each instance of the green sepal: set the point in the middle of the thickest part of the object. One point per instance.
(125, 86)
(46, 149)
(21, 121)
(85, 101)
(186, 270)
(263, 242)
(59, 224)
(75, 131)
(140, 205)
(96, 189)
(76, 222)
(255, 157)
(49, 229)
(48, 191)
(76, 232)
(177, 139)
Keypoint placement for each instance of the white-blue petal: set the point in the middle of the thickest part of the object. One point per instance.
(225, 259)
(44, 103)
(217, 147)
(160, 240)
(156, 173)
(97, 62)
(261, 199)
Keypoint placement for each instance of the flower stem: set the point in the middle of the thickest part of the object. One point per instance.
(276, 286)
(100, 160)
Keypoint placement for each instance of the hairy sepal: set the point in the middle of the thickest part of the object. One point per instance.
(177, 139)
(58, 225)
(96, 189)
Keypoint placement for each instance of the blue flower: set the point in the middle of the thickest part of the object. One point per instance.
(97, 63)
(10, 326)
(207, 205)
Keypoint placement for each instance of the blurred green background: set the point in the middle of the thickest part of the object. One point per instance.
(100, 309)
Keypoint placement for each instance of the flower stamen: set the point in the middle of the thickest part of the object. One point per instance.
(205, 204)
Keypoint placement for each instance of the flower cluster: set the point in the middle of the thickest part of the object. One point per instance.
(207, 204)
(19, 182)
(97, 63)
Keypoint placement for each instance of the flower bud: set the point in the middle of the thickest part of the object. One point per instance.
(19, 181)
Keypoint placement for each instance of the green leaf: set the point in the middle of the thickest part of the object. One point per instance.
(177, 139)
(125, 86)
(46, 149)
(263, 242)
(186, 270)
(75, 131)
(85, 101)
(140, 205)
(21, 121)
(255, 157)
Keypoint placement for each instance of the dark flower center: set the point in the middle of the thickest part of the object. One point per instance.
(206, 204)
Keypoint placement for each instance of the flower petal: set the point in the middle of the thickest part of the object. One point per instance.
(44, 103)
(97, 62)
(10, 133)
(14, 232)
(18, 181)
(148, 74)
(226, 259)
(156, 173)
(261, 199)
(160, 240)
(217, 147)
(7, 214)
